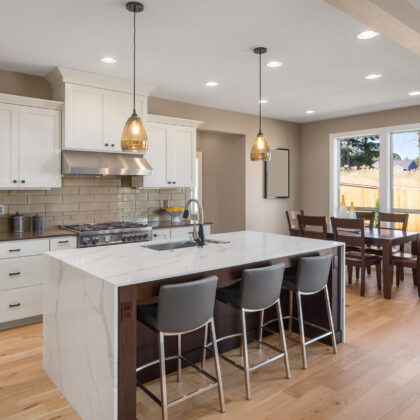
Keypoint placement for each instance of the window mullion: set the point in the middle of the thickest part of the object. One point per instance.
(385, 171)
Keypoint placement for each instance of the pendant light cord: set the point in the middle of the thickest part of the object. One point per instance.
(134, 67)
(260, 91)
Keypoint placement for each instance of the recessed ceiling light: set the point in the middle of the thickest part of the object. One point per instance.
(108, 60)
(273, 64)
(212, 84)
(414, 93)
(367, 35)
(262, 101)
(310, 111)
(373, 76)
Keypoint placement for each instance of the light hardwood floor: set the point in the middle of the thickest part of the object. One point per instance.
(376, 374)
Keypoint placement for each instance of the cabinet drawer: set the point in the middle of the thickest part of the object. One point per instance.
(21, 272)
(20, 303)
(161, 234)
(65, 242)
(12, 249)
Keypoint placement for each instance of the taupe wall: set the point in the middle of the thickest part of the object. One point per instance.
(261, 215)
(223, 180)
(24, 85)
(314, 186)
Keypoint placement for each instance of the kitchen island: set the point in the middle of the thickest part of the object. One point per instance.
(92, 342)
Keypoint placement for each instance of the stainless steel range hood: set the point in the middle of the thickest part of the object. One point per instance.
(101, 163)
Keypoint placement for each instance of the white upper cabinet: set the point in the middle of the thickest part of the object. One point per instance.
(96, 108)
(30, 139)
(172, 153)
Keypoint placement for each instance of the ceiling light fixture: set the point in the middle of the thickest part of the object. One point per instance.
(212, 84)
(273, 64)
(108, 60)
(414, 93)
(367, 35)
(373, 76)
(260, 149)
(134, 137)
(310, 111)
(262, 101)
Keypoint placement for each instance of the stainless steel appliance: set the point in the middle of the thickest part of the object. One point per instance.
(110, 233)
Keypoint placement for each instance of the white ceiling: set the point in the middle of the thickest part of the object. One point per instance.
(183, 43)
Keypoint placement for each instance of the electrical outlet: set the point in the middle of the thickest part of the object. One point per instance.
(1, 209)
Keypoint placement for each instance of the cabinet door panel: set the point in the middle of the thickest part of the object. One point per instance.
(9, 142)
(158, 135)
(122, 106)
(39, 148)
(182, 152)
(86, 118)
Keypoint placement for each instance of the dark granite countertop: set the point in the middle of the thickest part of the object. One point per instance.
(47, 233)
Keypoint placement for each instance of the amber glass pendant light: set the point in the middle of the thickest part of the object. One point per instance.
(260, 149)
(134, 137)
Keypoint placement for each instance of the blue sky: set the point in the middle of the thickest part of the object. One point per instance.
(406, 144)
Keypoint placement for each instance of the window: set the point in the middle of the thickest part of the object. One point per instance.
(359, 171)
(406, 176)
(377, 169)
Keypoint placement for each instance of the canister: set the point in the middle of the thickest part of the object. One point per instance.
(37, 223)
(17, 223)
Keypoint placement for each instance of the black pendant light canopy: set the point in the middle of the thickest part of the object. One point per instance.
(260, 149)
(134, 137)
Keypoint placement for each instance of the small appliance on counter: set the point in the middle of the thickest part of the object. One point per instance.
(37, 223)
(17, 223)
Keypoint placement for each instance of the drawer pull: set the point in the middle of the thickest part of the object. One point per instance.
(63, 242)
(15, 305)
(15, 274)
(14, 250)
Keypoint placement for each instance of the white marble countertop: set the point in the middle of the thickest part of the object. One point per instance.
(122, 265)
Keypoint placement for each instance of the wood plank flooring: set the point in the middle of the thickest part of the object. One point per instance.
(376, 374)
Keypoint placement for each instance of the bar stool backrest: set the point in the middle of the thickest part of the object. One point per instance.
(260, 287)
(312, 273)
(186, 306)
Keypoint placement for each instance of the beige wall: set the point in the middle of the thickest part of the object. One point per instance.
(223, 180)
(261, 215)
(24, 85)
(314, 186)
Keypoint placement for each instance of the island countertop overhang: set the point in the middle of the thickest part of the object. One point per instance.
(128, 264)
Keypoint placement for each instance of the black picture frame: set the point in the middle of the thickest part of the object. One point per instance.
(267, 187)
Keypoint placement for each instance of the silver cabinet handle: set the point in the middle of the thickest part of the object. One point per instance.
(14, 305)
(15, 274)
(106, 144)
(63, 242)
(23, 181)
(15, 181)
(14, 250)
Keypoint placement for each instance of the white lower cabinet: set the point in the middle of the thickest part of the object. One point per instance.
(161, 234)
(181, 233)
(21, 277)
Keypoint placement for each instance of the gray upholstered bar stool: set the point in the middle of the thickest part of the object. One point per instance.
(258, 289)
(182, 308)
(308, 278)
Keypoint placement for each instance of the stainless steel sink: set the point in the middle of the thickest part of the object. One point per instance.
(167, 246)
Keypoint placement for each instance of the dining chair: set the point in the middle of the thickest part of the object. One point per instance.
(409, 260)
(395, 221)
(352, 233)
(367, 216)
(319, 222)
(292, 221)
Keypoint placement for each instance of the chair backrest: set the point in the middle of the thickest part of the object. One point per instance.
(292, 221)
(367, 216)
(319, 222)
(395, 218)
(349, 231)
(312, 273)
(186, 306)
(260, 287)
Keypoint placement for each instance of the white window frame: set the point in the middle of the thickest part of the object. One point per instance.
(385, 164)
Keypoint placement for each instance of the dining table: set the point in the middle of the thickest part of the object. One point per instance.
(386, 239)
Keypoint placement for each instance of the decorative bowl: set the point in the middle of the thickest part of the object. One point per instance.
(175, 214)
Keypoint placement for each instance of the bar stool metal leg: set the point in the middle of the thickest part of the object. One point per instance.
(164, 396)
(203, 360)
(330, 319)
(245, 354)
(290, 310)
(217, 366)
(179, 374)
(301, 330)
(283, 338)
(260, 328)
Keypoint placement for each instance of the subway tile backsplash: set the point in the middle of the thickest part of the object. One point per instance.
(89, 199)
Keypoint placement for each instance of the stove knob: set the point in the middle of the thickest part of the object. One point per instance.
(85, 240)
(143, 235)
(124, 237)
(95, 241)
